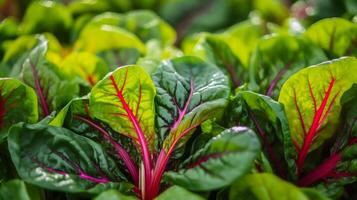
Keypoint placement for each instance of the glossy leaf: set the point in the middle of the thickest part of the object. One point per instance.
(178, 193)
(17, 189)
(190, 91)
(224, 159)
(18, 103)
(267, 117)
(336, 35)
(265, 187)
(276, 58)
(58, 159)
(312, 97)
(54, 88)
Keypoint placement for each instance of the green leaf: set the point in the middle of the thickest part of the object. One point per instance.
(243, 38)
(111, 37)
(54, 88)
(86, 66)
(17, 47)
(267, 117)
(224, 159)
(58, 159)
(314, 194)
(124, 99)
(265, 187)
(311, 99)
(278, 57)
(336, 35)
(18, 103)
(17, 189)
(36, 19)
(178, 193)
(214, 49)
(190, 91)
(113, 195)
(143, 23)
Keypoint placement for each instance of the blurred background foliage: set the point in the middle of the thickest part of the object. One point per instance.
(186, 16)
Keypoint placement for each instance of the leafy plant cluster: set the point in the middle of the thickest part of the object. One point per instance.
(107, 105)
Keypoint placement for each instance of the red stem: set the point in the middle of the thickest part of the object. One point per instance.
(275, 81)
(38, 88)
(123, 154)
(142, 140)
(313, 129)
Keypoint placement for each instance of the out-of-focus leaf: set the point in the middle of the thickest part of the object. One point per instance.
(178, 193)
(17, 189)
(336, 35)
(224, 159)
(113, 195)
(111, 37)
(215, 50)
(265, 187)
(190, 91)
(58, 159)
(47, 16)
(18, 103)
(86, 66)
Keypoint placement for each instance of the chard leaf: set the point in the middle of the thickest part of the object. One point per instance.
(265, 187)
(58, 159)
(124, 99)
(143, 23)
(54, 88)
(190, 91)
(17, 189)
(224, 159)
(268, 119)
(179, 193)
(312, 102)
(336, 35)
(113, 195)
(86, 66)
(215, 50)
(36, 19)
(18, 103)
(112, 37)
(278, 57)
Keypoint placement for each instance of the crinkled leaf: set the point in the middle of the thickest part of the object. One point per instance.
(224, 159)
(124, 99)
(336, 35)
(54, 88)
(18, 103)
(311, 99)
(190, 91)
(17, 189)
(178, 193)
(278, 57)
(58, 159)
(267, 117)
(265, 187)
